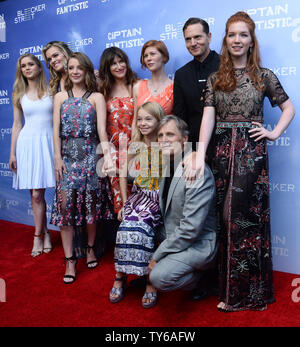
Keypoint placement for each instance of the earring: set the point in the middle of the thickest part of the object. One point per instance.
(65, 66)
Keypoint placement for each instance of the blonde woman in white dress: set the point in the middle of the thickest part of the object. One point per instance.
(31, 154)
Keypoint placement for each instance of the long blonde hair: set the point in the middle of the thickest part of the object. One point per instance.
(55, 76)
(21, 83)
(225, 78)
(152, 108)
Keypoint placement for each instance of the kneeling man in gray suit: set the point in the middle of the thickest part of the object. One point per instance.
(188, 238)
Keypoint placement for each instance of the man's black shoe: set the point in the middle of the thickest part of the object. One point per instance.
(199, 294)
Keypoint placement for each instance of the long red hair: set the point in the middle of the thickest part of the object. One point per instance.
(225, 78)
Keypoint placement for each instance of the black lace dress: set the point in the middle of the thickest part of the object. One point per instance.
(240, 167)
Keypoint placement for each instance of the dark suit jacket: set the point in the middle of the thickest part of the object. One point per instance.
(189, 88)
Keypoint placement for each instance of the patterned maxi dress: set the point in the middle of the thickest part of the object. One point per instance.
(120, 112)
(240, 167)
(81, 197)
(141, 217)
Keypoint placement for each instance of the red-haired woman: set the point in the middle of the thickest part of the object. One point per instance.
(159, 87)
(234, 104)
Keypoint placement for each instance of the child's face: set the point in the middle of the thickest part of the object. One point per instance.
(145, 122)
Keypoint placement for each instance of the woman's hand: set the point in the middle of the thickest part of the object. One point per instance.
(193, 166)
(260, 132)
(59, 166)
(13, 163)
(109, 166)
(120, 215)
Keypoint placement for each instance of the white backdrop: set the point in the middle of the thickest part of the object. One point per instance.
(92, 25)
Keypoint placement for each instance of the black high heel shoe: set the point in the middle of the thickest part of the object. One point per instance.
(93, 263)
(72, 277)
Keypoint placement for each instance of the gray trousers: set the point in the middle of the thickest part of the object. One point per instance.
(170, 274)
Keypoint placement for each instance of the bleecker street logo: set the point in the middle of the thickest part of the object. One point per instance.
(28, 13)
(4, 99)
(2, 29)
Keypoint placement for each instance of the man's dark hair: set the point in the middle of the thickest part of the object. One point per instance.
(196, 20)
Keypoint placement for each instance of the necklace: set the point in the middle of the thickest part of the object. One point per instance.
(152, 88)
(82, 92)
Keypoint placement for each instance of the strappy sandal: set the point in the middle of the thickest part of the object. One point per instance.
(47, 249)
(36, 253)
(72, 277)
(93, 263)
(117, 294)
(152, 296)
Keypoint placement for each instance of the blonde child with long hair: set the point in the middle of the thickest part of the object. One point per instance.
(141, 213)
(31, 154)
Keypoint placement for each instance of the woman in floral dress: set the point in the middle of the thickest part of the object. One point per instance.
(79, 117)
(116, 84)
(234, 104)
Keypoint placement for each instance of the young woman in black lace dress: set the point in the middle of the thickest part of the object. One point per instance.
(234, 106)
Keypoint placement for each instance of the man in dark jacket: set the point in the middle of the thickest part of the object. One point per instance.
(190, 80)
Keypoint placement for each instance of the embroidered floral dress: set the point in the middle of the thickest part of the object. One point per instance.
(141, 217)
(81, 197)
(240, 167)
(120, 112)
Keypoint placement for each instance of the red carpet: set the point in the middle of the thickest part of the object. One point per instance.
(36, 295)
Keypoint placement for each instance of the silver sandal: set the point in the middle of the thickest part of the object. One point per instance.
(120, 292)
(152, 296)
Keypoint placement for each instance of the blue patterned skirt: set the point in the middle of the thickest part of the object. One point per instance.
(135, 236)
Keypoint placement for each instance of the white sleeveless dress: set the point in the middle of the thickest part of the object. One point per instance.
(34, 152)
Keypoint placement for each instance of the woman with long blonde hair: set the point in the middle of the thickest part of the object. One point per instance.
(56, 55)
(234, 105)
(31, 154)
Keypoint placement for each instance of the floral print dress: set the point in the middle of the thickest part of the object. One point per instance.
(81, 197)
(240, 167)
(141, 216)
(120, 112)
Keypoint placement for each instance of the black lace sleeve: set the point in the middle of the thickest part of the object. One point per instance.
(209, 91)
(274, 90)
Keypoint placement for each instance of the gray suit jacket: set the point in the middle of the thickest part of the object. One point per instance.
(189, 220)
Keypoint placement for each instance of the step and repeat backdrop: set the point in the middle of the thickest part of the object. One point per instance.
(91, 26)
